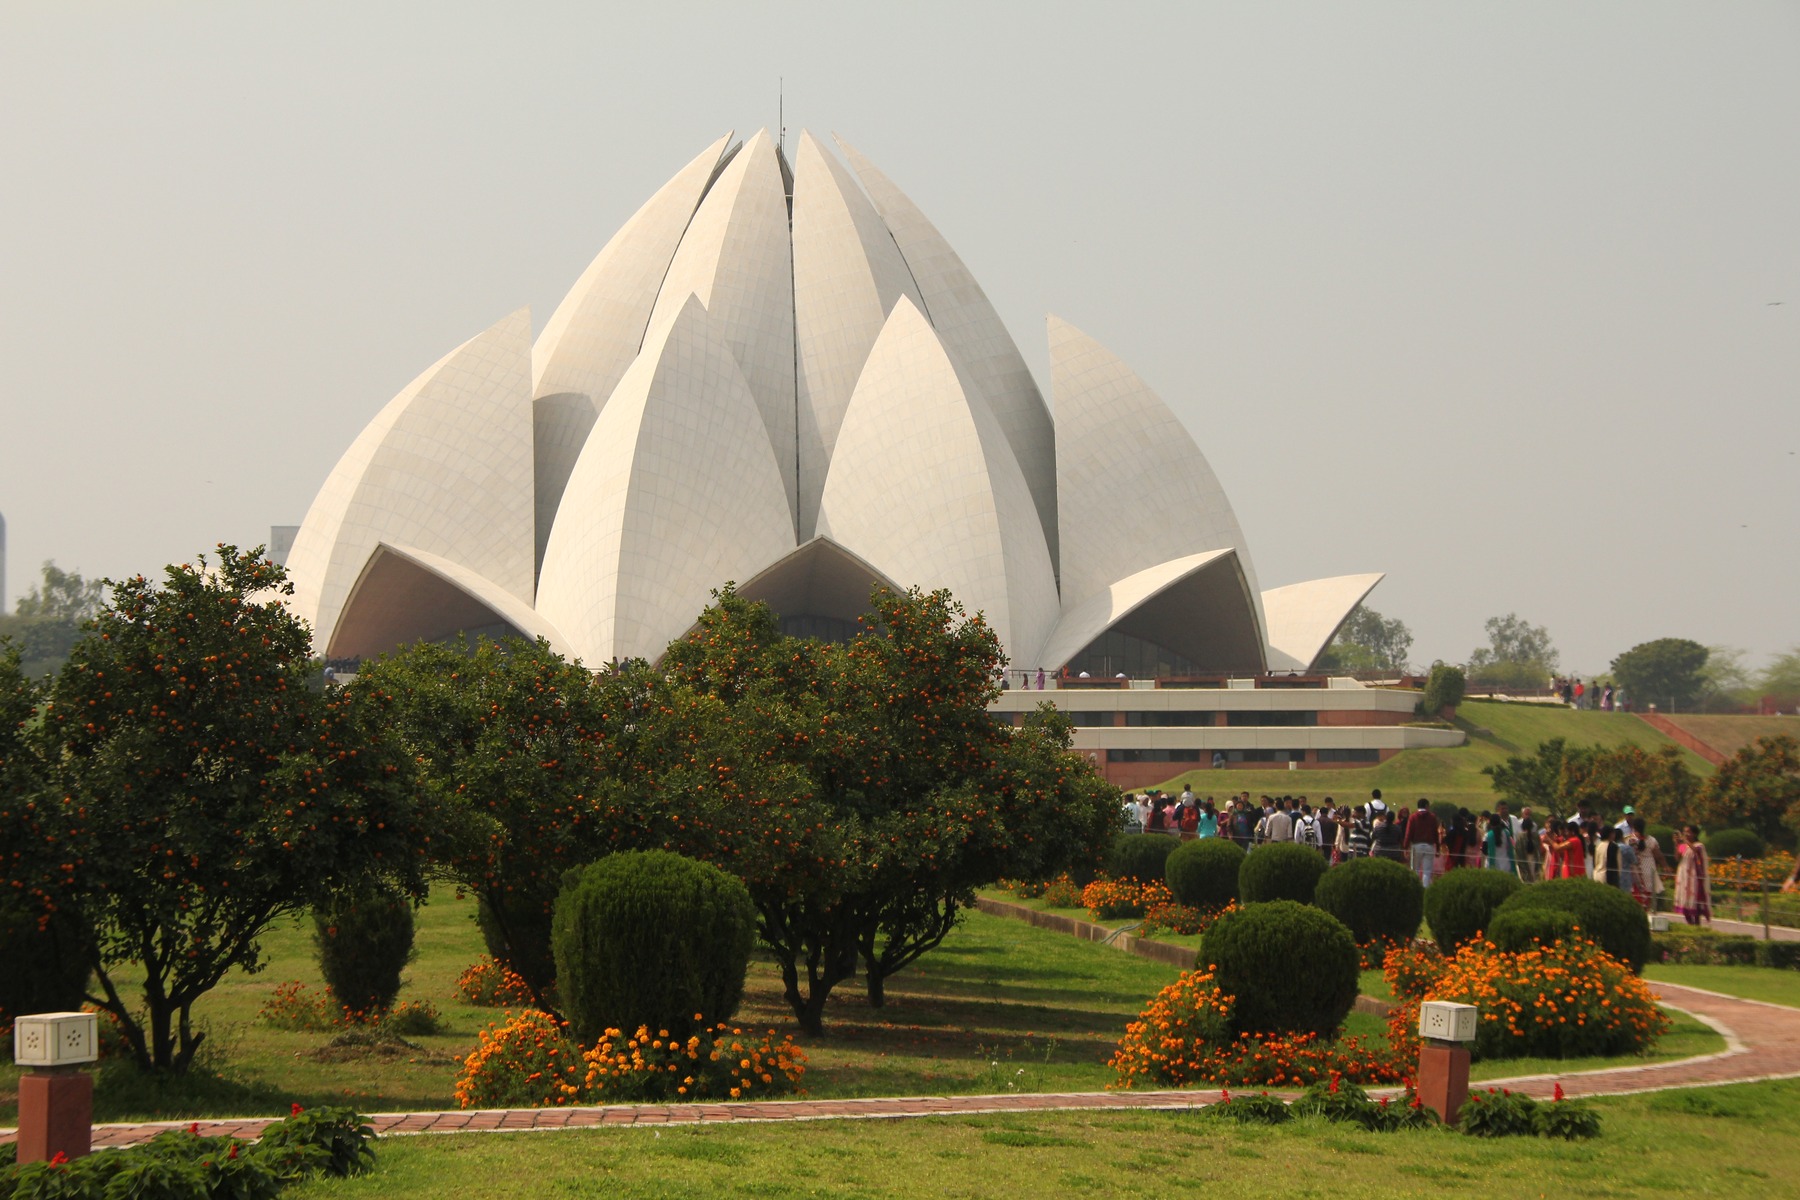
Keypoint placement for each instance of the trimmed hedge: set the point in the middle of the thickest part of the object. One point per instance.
(1460, 904)
(1696, 944)
(1140, 856)
(1607, 915)
(649, 938)
(1524, 928)
(364, 940)
(1376, 898)
(1280, 871)
(1204, 873)
(1734, 843)
(1291, 967)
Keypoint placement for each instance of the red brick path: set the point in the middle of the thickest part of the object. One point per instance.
(1763, 1042)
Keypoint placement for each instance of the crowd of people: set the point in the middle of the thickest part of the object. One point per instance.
(1622, 854)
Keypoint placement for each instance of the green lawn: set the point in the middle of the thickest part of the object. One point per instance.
(1497, 730)
(1742, 1140)
(1752, 983)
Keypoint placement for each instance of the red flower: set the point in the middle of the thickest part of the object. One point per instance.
(194, 1128)
(295, 1110)
(60, 1159)
(1559, 1092)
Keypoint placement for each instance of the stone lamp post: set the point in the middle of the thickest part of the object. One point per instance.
(56, 1096)
(1447, 1030)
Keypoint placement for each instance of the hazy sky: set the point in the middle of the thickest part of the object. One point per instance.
(1482, 296)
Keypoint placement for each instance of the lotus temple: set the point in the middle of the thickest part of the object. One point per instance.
(779, 373)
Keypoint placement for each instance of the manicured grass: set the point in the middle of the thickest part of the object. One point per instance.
(1752, 983)
(1497, 730)
(1742, 1140)
(1729, 734)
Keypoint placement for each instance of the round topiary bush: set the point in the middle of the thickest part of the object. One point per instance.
(1734, 843)
(649, 938)
(1280, 871)
(1664, 835)
(1610, 917)
(1376, 898)
(1204, 873)
(46, 968)
(364, 939)
(1459, 904)
(1523, 928)
(1291, 967)
(1140, 856)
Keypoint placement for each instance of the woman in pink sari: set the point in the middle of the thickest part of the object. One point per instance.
(1693, 893)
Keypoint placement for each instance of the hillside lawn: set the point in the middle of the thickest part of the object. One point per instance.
(1497, 730)
(1729, 734)
(1001, 1006)
(1740, 1140)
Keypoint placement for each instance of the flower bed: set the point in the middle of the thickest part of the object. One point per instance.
(1110, 899)
(1183, 1037)
(529, 1061)
(296, 1006)
(491, 984)
(1566, 1000)
(1773, 867)
(1181, 918)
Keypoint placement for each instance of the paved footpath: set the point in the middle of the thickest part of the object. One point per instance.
(1762, 1042)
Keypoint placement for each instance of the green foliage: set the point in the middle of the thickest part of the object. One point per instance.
(1784, 956)
(342, 1133)
(1498, 1113)
(1291, 967)
(1203, 873)
(1339, 1101)
(47, 963)
(1607, 915)
(534, 762)
(1258, 1108)
(1140, 857)
(1566, 1120)
(1517, 642)
(1696, 944)
(1758, 788)
(364, 939)
(1521, 929)
(1280, 871)
(1443, 689)
(1559, 777)
(1668, 672)
(205, 791)
(1368, 641)
(1781, 678)
(46, 623)
(1460, 904)
(1377, 899)
(1664, 835)
(651, 939)
(1734, 843)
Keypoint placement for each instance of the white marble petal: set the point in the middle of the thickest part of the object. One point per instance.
(676, 494)
(405, 594)
(973, 335)
(1304, 617)
(1198, 605)
(597, 330)
(445, 467)
(1133, 490)
(848, 274)
(737, 258)
(924, 486)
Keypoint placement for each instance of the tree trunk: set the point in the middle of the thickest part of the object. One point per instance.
(877, 986)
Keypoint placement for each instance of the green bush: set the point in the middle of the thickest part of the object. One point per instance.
(1377, 898)
(1250, 1109)
(1443, 689)
(1665, 838)
(524, 944)
(1698, 945)
(46, 969)
(1734, 843)
(1499, 1113)
(1459, 904)
(1280, 871)
(1291, 967)
(1566, 1119)
(1525, 928)
(364, 940)
(1140, 856)
(1204, 873)
(1783, 956)
(1610, 917)
(649, 938)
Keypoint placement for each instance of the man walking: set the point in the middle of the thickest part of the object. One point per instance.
(1422, 835)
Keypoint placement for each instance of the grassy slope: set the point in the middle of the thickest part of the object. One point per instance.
(1497, 730)
(1729, 1141)
(1728, 735)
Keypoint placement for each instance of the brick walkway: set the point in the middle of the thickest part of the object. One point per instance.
(1763, 1042)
